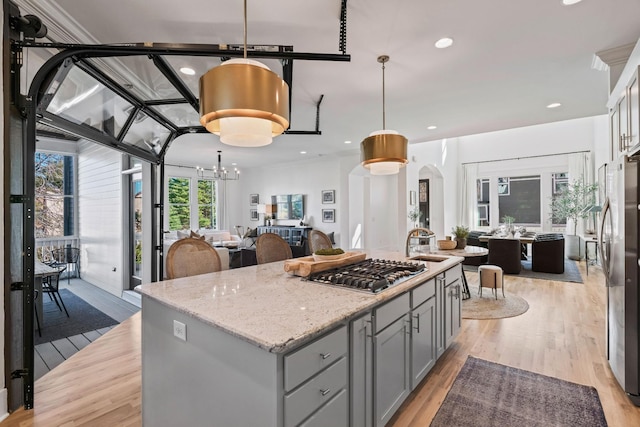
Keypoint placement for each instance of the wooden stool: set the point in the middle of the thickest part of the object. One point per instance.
(491, 277)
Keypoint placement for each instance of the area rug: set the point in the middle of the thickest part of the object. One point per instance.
(571, 272)
(83, 317)
(488, 307)
(489, 394)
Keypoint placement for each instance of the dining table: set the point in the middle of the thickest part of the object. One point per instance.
(524, 239)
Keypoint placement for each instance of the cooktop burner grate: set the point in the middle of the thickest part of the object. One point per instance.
(370, 275)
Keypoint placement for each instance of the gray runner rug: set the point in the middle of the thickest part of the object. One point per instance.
(571, 272)
(83, 317)
(489, 394)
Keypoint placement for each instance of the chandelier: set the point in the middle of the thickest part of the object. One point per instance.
(243, 101)
(219, 173)
(384, 152)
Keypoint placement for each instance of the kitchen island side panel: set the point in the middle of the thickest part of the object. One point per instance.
(212, 378)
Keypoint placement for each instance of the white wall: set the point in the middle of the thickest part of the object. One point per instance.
(100, 216)
(310, 178)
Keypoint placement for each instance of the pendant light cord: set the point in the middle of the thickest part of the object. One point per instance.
(245, 29)
(383, 101)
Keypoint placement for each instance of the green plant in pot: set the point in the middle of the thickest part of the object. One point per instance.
(460, 234)
(414, 216)
(573, 203)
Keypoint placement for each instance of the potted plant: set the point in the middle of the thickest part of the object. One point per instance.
(415, 216)
(460, 233)
(508, 222)
(572, 203)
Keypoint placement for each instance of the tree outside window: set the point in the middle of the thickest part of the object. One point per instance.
(206, 204)
(179, 203)
(54, 195)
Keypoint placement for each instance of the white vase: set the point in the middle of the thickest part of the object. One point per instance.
(572, 247)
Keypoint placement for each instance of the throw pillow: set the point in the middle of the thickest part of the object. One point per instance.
(182, 234)
(196, 235)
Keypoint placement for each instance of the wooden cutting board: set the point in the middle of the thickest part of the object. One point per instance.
(306, 265)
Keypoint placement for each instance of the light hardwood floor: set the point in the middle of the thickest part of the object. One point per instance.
(561, 335)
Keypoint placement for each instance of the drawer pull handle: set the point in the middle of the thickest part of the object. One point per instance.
(325, 392)
(325, 355)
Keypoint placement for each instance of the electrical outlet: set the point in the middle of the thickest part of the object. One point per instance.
(180, 330)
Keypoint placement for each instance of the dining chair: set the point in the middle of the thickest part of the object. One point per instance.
(318, 240)
(191, 256)
(271, 248)
(50, 286)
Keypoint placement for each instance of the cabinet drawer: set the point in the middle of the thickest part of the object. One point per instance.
(423, 293)
(304, 401)
(453, 274)
(391, 311)
(304, 363)
(334, 414)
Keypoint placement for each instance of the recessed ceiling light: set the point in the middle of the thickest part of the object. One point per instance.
(570, 2)
(432, 127)
(444, 42)
(554, 105)
(188, 71)
(234, 164)
(347, 142)
(303, 152)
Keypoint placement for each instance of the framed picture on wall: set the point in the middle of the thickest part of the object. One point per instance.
(328, 215)
(328, 196)
(254, 199)
(412, 198)
(253, 213)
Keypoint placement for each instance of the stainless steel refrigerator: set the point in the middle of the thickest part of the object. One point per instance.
(619, 237)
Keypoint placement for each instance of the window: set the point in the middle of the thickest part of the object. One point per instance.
(522, 199)
(54, 195)
(483, 201)
(179, 203)
(206, 204)
(559, 182)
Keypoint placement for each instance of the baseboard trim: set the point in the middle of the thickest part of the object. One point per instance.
(132, 297)
(4, 411)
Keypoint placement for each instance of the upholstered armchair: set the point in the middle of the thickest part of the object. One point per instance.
(505, 253)
(547, 253)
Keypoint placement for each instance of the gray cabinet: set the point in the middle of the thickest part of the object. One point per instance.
(452, 304)
(315, 381)
(624, 119)
(440, 311)
(423, 340)
(391, 369)
(361, 375)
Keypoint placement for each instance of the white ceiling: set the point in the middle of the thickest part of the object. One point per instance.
(509, 60)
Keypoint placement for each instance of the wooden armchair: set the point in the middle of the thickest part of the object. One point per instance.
(271, 248)
(318, 240)
(191, 256)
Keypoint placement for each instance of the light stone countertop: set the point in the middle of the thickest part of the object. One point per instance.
(272, 309)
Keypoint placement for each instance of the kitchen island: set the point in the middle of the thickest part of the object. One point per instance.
(257, 346)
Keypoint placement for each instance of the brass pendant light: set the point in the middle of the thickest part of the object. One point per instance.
(243, 101)
(384, 152)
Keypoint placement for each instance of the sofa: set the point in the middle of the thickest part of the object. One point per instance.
(221, 240)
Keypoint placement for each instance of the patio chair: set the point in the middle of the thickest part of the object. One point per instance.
(50, 285)
(271, 248)
(191, 256)
(64, 257)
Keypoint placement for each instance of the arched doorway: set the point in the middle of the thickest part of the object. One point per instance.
(431, 198)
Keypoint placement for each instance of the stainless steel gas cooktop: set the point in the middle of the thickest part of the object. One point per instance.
(370, 275)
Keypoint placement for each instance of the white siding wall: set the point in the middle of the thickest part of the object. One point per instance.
(100, 222)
